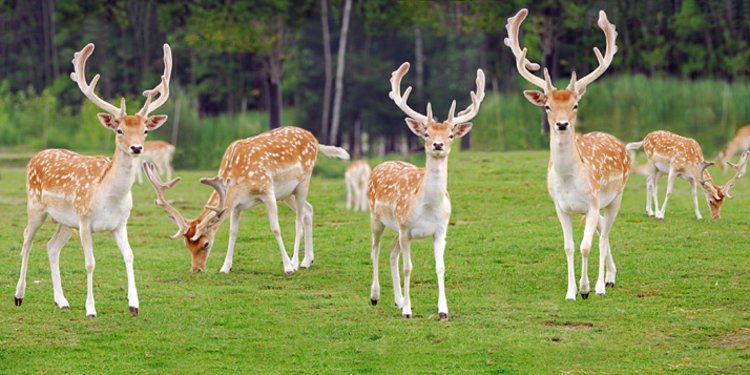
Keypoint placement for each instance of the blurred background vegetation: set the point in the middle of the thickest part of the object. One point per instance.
(241, 67)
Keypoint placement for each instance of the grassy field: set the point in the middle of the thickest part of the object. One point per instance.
(680, 304)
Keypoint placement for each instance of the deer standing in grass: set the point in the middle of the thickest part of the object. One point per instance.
(414, 201)
(677, 156)
(356, 177)
(740, 142)
(586, 173)
(90, 193)
(276, 165)
(161, 154)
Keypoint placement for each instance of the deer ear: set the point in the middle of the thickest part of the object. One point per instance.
(462, 129)
(107, 120)
(535, 97)
(415, 126)
(155, 121)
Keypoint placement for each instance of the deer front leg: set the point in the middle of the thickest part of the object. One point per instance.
(121, 239)
(349, 196)
(234, 228)
(377, 233)
(88, 255)
(670, 184)
(694, 192)
(592, 221)
(35, 220)
(404, 243)
(55, 244)
(439, 247)
(567, 227)
(273, 219)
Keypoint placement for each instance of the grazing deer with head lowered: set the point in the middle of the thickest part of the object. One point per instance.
(740, 142)
(161, 154)
(275, 165)
(677, 156)
(90, 193)
(586, 173)
(356, 177)
(414, 201)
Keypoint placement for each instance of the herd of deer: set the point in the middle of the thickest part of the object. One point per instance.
(586, 175)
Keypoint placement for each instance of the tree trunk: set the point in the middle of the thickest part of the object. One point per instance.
(176, 121)
(325, 118)
(340, 73)
(274, 104)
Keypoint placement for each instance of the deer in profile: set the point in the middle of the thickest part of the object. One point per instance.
(356, 176)
(677, 156)
(586, 173)
(414, 201)
(272, 166)
(90, 193)
(740, 142)
(161, 154)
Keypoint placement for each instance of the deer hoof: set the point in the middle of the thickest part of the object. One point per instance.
(443, 316)
(609, 285)
(290, 273)
(17, 301)
(374, 302)
(134, 311)
(584, 295)
(407, 316)
(91, 316)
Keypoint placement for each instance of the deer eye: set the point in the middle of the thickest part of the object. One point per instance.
(119, 131)
(546, 108)
(145, 132)
(205, 245)
(575, 107)
(427, 135)
(451, 136)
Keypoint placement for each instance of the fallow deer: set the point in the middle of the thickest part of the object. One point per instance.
(161, 154)
(356, 177)
(90, 193)
(677, 156)
(414, 201)
(586, 173)
(275, 165)
(740, 142)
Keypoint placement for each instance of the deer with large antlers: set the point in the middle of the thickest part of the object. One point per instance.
(677, 156)
(740, 142)
(90, 193)
(414, 201)
(586, 173)
(272, 166)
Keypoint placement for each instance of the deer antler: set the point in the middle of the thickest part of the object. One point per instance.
(160, 187)
(79, 76)
(737, 174)
(523, 65)
(221, 189)
(400, 101)
(476, 99)
(162, 88)
(611, 35)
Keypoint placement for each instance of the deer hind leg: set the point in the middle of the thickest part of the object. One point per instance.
(291, 201)
(651, 184)
(121, 239)
(88, 254)
(273, 219)
(694, 192)
(605, 251)
(404, 243)
(592, 221)
(670, 184)
(54, 246)
(34, 222)
(349, 196)
(439, 247)
(304, 212)
(567, 227)
(377, 229)
(234, 228)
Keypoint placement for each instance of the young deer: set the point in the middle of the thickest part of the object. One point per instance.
(414, 201)
(586, 173)
(161, 154)
(276, 165)
(677, 156)
(90, 193)
(741, 142)
(356, 176)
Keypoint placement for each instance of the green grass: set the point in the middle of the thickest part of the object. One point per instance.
(680, 304)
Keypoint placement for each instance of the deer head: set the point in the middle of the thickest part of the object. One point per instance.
(199, 233)
(438, 136)
(560, 105)
(715, 194)
(131, 130)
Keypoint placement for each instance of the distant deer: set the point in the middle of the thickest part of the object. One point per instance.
(586, 173)
(161, 154)
(275, 165)
(90, 193)
(677, 156)
(356, 176)
(414, 201)
(740, 142)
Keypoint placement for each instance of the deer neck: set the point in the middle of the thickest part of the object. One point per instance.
(566, 159)
(435, 180)
(121, 174)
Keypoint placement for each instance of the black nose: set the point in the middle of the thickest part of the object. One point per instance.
(438, 146)
(562, 125)
(136, 149)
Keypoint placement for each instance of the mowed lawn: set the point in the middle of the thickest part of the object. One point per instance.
(680, 302)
